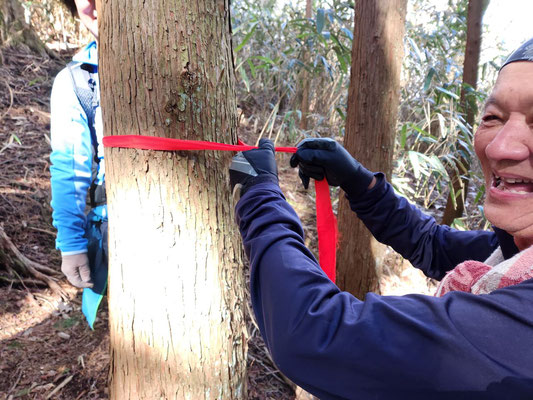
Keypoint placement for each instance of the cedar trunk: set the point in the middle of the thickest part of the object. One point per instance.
(370, 128)
(176, 281)
(476, 9)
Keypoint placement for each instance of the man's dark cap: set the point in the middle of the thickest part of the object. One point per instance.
(523, 53)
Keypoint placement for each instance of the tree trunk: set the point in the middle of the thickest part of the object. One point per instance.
(370, 128)
(304, 123)
(476, 9)
(176, 298)
(14, 30)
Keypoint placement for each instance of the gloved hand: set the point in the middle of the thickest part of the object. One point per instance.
(325, 158)
(76, 269)
(253, 166)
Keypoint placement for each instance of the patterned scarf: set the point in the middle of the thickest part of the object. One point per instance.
(495, 273)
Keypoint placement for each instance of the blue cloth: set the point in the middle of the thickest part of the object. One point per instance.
(71, 159)
(460, 346)
(79, 229)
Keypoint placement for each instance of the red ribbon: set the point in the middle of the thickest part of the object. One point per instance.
(325, 219)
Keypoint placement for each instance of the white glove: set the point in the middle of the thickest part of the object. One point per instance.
(76, 269)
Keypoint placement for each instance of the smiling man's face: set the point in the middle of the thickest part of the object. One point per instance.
(504, 145)
(87, 13)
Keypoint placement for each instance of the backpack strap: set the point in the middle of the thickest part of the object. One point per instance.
(84, 84)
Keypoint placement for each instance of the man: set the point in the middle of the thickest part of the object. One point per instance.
(77, 170)
(473, 341)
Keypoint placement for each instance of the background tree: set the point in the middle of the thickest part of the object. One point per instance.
(459, 180)
(432, 135)
(373, 100)
(176, 281)
(13, 28)
(305, 107)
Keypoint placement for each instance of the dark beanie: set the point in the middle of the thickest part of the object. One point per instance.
(523, 53)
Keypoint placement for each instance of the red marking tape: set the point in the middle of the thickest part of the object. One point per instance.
(325, 219)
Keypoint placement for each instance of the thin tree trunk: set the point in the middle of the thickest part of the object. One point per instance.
(305, 76)
(476, 9)
(176, 298)
(370, 128)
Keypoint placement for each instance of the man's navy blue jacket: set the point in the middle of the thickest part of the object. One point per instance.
(385, 347)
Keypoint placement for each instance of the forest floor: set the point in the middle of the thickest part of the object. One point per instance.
(47, 350)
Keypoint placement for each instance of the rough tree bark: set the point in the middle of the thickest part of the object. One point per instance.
(176, 295)
(476, 9)
(370, 128)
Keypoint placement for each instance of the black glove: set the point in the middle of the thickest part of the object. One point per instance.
(254, 166)
(324, 157)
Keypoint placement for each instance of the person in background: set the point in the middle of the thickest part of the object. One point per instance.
(77, 168)
(473, 340)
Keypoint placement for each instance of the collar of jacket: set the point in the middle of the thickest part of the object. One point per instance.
(507, 243)
(88, 55)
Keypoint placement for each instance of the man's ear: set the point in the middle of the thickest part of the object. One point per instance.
(88, 16)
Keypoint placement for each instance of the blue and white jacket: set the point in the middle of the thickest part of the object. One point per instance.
(71, 158)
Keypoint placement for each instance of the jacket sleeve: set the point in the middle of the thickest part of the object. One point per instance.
(429, 246)
(70, 165)
(416, 347)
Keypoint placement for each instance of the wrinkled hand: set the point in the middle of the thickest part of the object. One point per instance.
(76, 269)
(253, 166)
(325, 158)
